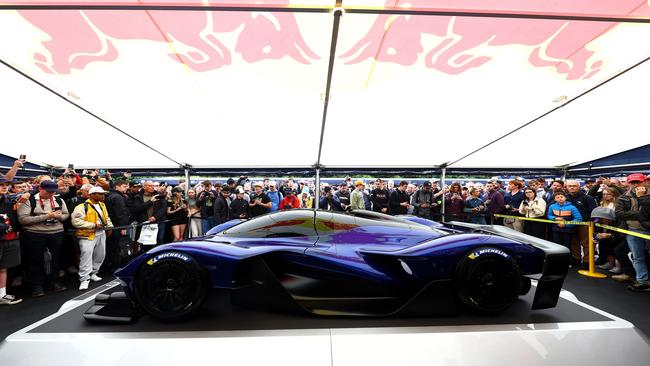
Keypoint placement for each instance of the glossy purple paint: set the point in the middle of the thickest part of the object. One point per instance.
(341, 244)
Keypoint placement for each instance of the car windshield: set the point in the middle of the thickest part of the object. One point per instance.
(292, 223)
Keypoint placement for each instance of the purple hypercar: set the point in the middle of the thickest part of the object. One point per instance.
(356, 263)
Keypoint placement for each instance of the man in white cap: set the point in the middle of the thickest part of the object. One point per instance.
(91, 219)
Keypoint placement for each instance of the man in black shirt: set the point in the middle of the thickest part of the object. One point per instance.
(115, 201)
(239, 206)
(222, 206)
(260, 202)
(379, 197)
(205, 202)
(399, 200)
(343, 195)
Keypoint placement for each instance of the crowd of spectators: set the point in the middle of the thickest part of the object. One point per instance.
(85, 224)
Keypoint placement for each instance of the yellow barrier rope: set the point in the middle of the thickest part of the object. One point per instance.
(542, 220)
(628, 232)
(584, 223)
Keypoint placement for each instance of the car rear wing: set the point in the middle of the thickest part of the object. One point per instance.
(556, 261)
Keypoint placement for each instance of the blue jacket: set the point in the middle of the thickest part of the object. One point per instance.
(567, 211)
(335, 205)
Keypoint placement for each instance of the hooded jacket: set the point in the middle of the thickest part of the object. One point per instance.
(566, 211)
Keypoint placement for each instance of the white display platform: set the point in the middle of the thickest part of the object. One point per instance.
(611, 342)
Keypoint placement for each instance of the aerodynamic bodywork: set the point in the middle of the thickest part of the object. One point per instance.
(355, 263)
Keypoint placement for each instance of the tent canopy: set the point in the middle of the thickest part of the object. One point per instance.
(622, 163)
(423, 84)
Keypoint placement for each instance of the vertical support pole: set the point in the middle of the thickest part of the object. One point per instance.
(187, 181)
(592, 265)
(443, 185)
(564, 175)
(317, 189)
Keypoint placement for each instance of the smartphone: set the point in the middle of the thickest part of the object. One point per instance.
(23, 157)
(71, 166)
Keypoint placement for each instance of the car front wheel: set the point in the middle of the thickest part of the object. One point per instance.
(488, 280)
(171, 287)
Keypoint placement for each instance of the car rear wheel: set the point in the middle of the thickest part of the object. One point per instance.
(488, 280)
(170, 288)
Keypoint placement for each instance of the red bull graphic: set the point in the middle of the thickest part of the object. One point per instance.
(78, 38)
(555, 43)
(196, 38)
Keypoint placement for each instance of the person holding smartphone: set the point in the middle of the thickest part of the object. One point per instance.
(9, 176)
(42, 217)
(533, 206)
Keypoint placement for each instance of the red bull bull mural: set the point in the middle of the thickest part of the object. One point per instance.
(195, 38)
(562, 44)
(78, 38)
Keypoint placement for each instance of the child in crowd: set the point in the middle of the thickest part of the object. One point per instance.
(562, 211)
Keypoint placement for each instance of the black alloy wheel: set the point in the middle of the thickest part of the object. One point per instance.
(170, 288)
(488, 283)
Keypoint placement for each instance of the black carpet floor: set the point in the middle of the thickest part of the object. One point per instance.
(604, 294)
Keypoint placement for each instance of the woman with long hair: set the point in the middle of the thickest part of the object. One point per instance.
(533, 206)
(608, 200)
(177, 212)
(454, 203)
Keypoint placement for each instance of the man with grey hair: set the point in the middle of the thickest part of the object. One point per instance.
(585, 204)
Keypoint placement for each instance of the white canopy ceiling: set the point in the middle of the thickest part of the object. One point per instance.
(228, 86)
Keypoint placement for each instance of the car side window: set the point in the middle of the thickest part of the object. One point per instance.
(285, 224)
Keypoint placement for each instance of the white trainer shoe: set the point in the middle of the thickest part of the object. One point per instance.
(9, 300)
(95, 278)
(84, 285)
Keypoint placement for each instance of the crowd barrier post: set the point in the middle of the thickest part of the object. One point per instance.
(592, 265)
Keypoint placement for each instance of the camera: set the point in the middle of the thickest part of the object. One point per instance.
(70, 166)
(23, 157)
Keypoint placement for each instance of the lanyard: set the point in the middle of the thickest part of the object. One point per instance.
(43, 205)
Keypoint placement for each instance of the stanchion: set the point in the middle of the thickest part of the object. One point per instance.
(592, 270)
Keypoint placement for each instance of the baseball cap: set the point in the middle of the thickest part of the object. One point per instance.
(49, 186)
(359, 182)
(135, 184)
(426, 184)
(636, 177)
(96, 190)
